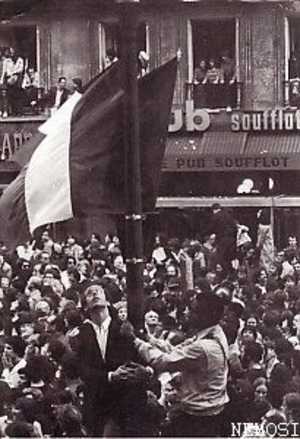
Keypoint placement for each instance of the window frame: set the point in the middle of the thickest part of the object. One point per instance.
(102, 43)
(37, 38)
(190, 51)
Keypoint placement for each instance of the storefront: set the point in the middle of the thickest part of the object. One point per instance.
(244, 160)
(247, 156)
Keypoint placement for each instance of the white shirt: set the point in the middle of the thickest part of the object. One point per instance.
(25, 252)
(101, 334)
(12, 377)
(58, 97)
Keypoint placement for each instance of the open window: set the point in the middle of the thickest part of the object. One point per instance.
(19, 70)
(292, 64)
(24, 40)
(110, 45)
(213, 68)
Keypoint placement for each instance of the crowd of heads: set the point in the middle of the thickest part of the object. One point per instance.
(46, 288)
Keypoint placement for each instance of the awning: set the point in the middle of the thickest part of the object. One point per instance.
(230, 151)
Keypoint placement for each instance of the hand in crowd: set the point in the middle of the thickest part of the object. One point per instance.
(119, 375)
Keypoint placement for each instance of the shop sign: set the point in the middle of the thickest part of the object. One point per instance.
(13, 135)
(269, 120)
(191, 119)
(231, 163)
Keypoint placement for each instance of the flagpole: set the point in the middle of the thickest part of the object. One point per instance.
(134, 252)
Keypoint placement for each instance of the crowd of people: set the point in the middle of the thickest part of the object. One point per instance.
(214, 82)
(20, 89)
(21, 92)
(219, 346)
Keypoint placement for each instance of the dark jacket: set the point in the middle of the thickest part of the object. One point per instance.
(49, 98)
(223, 225)
(102, 397)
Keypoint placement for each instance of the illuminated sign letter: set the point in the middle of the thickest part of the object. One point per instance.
(6, 146)
(196, 120)
(176, 121)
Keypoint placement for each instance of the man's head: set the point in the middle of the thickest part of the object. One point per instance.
(121, 307)
(248, 334)
(251, 322)
(62, 82)
(292, 241)
(70, 263)
(14, 347)
(4, 282)
(296, 322)
(206, 311)
(151, 318)
(26, 323)
(76, 84)
(44, 258)
(291, 407)
(252, 352)
(96, 303)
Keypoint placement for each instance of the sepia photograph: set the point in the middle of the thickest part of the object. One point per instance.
(150, 219)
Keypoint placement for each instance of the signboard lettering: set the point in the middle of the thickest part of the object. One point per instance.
(269, 120)
(10, 142)
(229, 163)
(193, 119)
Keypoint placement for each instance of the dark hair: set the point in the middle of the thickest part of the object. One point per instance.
(254, 351)
(249, 329)
(73, 318)
(284, 350)
(271, 332)
(78, 83)
(62, 78)
(207, 309)
(57, 349)
(265, 216)
(271, 318)
(17, 344)
(19, 429)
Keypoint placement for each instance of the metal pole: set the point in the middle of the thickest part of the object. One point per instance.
(133, 217)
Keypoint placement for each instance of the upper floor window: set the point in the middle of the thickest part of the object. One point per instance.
(292, 70)
(213, 75)
(110, 46)
(19, 70)
(23, 39)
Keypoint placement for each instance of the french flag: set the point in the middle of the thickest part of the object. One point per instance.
(74, 167)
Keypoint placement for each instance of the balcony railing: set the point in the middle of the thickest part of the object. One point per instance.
(19, 103)
(215, 96)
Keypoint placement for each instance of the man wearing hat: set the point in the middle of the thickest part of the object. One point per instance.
(202, 363)
(104, 353)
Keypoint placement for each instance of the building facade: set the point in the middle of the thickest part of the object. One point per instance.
(234, 136)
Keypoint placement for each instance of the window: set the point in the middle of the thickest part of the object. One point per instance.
(213, 72)
(19, 70)
(23, 39)
(292, 70)
(110, 45)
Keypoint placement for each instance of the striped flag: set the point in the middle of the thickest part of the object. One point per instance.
(74, 168)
